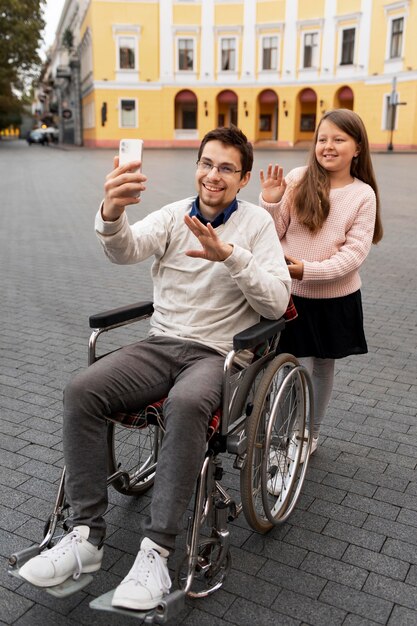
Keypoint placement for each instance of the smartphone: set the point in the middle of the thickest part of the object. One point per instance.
(130, 150)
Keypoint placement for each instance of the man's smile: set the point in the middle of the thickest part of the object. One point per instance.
(212, 188)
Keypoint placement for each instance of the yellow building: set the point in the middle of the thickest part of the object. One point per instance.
(170, 70)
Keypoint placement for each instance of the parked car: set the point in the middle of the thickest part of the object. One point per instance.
(43, 135)
(37, 135)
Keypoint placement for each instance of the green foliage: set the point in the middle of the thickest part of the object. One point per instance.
(68, 39)
(21, 25)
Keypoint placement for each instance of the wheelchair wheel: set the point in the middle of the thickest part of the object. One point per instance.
(270, 479)
(133, 454)
(211, 570)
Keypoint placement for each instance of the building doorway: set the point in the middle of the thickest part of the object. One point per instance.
(268, 116)
(307, 115)
(227, 108)
(344, 98)
(186, 115)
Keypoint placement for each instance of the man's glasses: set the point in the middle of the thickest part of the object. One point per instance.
(224, 170)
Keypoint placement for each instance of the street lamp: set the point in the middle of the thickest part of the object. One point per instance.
(392, 111)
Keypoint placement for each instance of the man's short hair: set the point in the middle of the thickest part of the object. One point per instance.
(231, 136)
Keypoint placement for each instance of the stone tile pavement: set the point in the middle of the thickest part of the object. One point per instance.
(348, 555)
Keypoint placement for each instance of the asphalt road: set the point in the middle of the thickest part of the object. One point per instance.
(348, 554)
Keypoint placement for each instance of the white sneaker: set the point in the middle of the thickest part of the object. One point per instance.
(281, 462)
(148, 580)
(72, 556)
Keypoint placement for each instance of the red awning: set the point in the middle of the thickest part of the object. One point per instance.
(345, 94)
(227, 97)
(308, 95)
(268, 96)
(185, 96)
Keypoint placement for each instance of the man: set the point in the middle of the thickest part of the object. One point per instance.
(218, 267)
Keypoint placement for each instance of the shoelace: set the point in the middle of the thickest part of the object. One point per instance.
(73, 538)
(148, 561)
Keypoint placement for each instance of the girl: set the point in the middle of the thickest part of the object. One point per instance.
(327, 216)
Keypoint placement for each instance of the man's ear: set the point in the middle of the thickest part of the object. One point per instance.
(244, 181)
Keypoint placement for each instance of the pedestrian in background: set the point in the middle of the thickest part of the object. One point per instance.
(327, 215)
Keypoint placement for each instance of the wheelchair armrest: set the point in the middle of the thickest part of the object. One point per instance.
(120, 315)
(263, 330)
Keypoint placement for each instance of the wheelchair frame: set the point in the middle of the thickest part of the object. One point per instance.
(264, 413)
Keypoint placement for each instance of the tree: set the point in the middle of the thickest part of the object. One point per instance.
(21, 25)
(68, 39)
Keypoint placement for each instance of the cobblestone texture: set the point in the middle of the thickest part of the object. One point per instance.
(348, 554)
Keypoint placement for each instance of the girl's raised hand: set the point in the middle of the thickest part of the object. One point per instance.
(273, 185)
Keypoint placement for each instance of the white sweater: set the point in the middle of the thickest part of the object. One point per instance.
(201, 300)
(333, 255)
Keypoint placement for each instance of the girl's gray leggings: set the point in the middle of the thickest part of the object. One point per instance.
(322, 374)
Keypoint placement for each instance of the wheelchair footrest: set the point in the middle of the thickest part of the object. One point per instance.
(65, 589)
(169, 607)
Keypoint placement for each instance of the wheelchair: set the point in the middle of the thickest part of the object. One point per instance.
(261, 429)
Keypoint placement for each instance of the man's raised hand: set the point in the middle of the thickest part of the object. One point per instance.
(122, 188)
(212, 247)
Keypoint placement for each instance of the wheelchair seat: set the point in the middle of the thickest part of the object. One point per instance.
(153, 414)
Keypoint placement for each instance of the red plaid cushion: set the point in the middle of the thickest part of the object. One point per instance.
(291, 312)
(153, 414)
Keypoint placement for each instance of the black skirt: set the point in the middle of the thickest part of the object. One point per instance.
(327, 328)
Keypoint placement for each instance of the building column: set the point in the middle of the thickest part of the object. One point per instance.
(249, 41)
(166, 69)
(365, 37)
(290, 40)
(328, 39)
(207, 41)
(76, 93)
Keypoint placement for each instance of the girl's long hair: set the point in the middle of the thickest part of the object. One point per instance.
(311, 194)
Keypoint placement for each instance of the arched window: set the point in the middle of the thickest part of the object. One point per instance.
(227, 108)
(308, 104)
(186, 110)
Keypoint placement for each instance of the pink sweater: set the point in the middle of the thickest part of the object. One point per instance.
(332, 256)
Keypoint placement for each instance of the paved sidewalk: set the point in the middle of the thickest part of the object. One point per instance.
(348, 555)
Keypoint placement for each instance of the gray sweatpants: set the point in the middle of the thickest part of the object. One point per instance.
(190, 375)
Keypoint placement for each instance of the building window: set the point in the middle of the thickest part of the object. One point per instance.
(228, 54)
(307, 122)
(128, 114)
(265, 122)
(127, 56)
(270, 53)
(310, 53)
(186, 54)
(348, 46)
(189, 117)
(397, 29)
